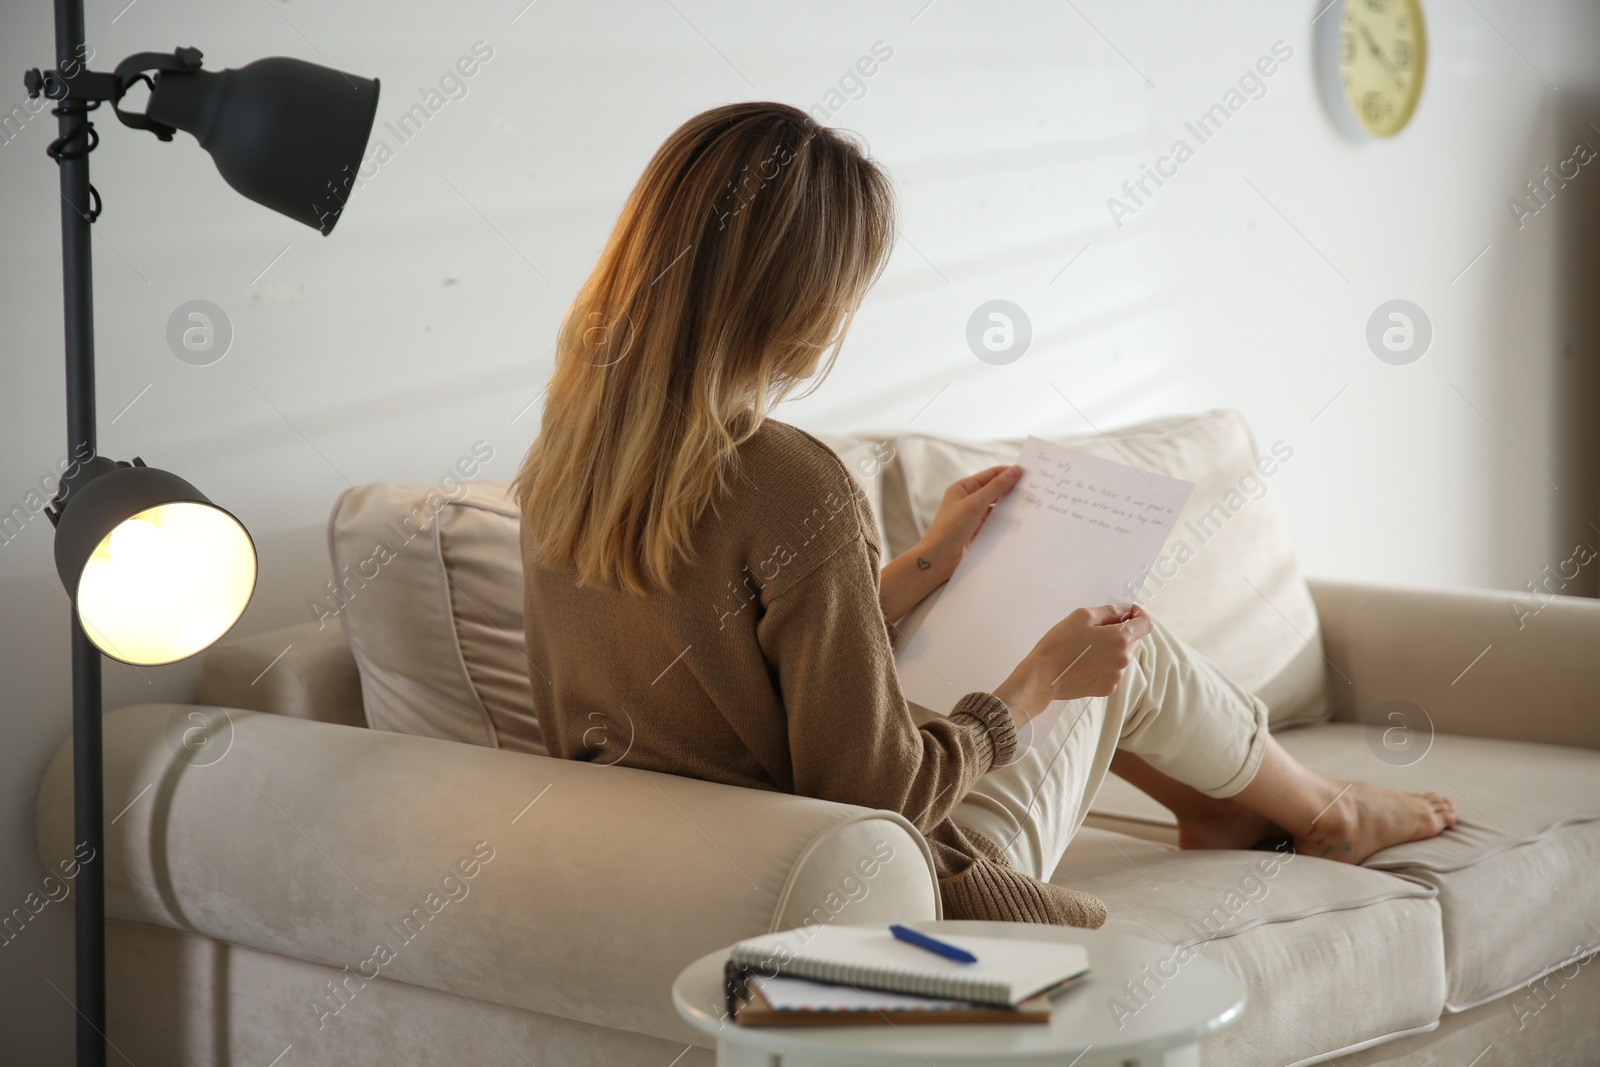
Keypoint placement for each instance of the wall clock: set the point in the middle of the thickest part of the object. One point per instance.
(1372, 56)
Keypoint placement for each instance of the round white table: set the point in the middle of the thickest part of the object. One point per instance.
(1171, 1001)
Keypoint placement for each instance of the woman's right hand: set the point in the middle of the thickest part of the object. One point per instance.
(1083, 655)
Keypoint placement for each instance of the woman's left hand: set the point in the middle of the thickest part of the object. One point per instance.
(961, 515)
(908, 580)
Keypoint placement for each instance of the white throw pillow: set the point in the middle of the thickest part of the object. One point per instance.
(431, 599)
(1226, 582)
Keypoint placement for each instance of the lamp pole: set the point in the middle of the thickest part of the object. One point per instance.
(284, 133)
(71, 152)
(90, 913)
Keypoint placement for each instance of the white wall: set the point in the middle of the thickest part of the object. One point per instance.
(424, 324)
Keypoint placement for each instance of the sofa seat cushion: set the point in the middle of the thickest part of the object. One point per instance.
(1333, 956)
(1516, 878)
(1226, 581)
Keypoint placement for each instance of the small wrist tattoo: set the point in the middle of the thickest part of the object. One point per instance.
(922, 564)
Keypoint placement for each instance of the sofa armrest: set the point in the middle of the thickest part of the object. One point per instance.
(1478, 662)
(305, 671)
(550, 885)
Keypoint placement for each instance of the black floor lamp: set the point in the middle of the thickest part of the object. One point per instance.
(155, 570)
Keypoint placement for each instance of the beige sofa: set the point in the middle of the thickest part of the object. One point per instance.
(350, 851)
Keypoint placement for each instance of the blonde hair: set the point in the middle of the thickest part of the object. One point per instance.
(738, 261)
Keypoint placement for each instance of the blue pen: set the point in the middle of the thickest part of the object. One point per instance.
(923, 941)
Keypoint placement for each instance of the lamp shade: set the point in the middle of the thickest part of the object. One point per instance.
(286, 133)
(156, 571)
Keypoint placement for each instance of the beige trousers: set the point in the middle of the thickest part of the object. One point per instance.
(1173, 707)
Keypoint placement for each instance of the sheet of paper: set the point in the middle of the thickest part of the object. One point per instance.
(1077, 531)
(799, 994)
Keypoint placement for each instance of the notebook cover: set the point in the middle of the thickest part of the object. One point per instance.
(753, 1009)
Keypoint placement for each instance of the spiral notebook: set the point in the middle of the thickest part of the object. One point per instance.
(1008, 971)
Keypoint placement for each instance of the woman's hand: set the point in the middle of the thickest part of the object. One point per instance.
(1083, 655)
(907, 580)
(961, 513)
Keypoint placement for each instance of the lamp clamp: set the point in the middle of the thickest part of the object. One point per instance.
(136, 68)
(93, 88)
(76, 83)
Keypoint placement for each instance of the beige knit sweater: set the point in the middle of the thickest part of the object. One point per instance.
(770, 667)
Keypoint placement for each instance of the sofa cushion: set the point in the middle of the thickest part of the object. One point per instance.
(1515, 879)
(1333, 956)
(430, 593)
(432, 601)
(1226, 582)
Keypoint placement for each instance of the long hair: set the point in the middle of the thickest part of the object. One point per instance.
(738, 262)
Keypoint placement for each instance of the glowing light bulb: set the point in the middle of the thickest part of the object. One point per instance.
(137, 544)
(166, 583)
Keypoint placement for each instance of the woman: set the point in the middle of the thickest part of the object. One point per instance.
(704, 579)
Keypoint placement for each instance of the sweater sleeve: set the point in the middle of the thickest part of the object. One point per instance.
(851, 736)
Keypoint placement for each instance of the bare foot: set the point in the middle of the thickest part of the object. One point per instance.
(1366, 818)
(1223, 824)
